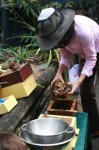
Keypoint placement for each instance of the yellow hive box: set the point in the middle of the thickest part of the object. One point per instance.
(8, 104)
(71, 145)
(72, 122)
(19, 90)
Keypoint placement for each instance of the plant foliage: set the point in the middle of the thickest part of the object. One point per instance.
(31, 9)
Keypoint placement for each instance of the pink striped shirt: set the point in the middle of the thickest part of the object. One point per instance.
(84, 43)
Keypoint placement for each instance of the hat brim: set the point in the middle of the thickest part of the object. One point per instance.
(51, 42)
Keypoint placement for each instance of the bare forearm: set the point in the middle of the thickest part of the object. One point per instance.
(59, 73)
(61, 69)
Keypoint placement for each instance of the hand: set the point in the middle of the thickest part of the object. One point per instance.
(75, 85)
(56, 78)
(59, 73)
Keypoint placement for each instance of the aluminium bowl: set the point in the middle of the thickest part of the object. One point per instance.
(47, 131)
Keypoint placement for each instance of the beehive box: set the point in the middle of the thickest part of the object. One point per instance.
(17, 76)
(63, 107)
(19, 90)
(71, 145)
(8, 104)
(72, 122)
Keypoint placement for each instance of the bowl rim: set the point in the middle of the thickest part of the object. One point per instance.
(35, 120)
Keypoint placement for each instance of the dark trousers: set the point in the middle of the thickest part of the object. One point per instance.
(88, 96)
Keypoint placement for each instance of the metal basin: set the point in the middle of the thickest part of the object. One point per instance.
(46, 131)
(35, 146)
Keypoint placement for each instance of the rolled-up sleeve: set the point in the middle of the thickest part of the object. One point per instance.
(90, 54)
(65, 57)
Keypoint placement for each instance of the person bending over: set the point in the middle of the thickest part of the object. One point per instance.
(74, 34)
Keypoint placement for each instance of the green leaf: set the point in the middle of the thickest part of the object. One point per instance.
(50, 57)
(38, 51)
(57, 54)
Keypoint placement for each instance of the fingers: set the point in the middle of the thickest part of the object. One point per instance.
(52, 83)
(75, 85)
(71, 92)
(62, 80)
(57, 78)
